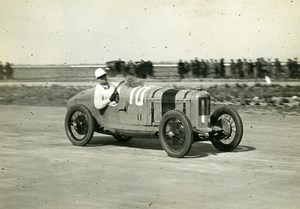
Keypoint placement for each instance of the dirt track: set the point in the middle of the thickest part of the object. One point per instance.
(39, 168)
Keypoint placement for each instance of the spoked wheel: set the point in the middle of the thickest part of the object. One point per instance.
(232, 128)
(79, 125)
(121, 138)
(176, 133)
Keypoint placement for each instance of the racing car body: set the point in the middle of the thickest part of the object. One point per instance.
(177, 117)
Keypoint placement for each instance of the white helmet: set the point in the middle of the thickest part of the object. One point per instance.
(99, 72)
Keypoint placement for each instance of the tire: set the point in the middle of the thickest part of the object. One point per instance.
(175, 133)
(79, 125)
(121, 138)
(229, 120)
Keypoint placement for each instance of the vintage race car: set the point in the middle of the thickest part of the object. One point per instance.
(177, 117)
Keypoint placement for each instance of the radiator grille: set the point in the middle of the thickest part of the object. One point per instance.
(204, 106)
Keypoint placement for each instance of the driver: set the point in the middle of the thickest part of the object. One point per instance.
(104, 91)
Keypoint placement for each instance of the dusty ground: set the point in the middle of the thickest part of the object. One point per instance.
(39, 168)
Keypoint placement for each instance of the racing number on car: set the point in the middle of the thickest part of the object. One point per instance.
(137, 94)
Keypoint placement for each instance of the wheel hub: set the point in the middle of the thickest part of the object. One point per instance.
(80, 124)
(175, 134)
(170, 134)
(226, 126)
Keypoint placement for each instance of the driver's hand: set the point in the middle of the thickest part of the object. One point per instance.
(113, 96)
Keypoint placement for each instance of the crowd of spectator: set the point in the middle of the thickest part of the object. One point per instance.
(6, 71)
(241, 68)
(141, 69)
(237, 69)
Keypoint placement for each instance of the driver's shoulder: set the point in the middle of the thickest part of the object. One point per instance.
(113, 84)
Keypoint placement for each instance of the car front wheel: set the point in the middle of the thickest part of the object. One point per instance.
(79, 125)
(176, 133)
(231, 124)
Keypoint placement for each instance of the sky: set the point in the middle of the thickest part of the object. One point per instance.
(96, 31)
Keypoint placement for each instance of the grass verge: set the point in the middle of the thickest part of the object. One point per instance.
(257, 98)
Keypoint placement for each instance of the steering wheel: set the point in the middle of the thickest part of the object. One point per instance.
(117, 97)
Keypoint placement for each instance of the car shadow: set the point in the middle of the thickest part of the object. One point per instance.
(145, 143)
(198, 150)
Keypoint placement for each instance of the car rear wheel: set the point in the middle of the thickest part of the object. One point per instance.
(176, 133)
(79, 125)
(232, 128)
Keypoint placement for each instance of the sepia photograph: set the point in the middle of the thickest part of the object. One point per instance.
(168, 104)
